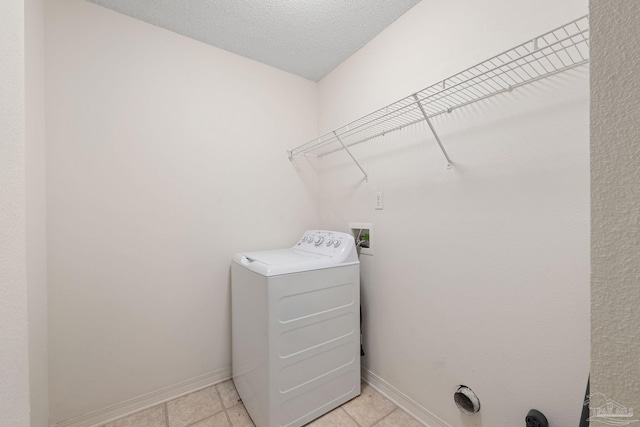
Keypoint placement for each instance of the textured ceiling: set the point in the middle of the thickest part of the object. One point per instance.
(305, 37)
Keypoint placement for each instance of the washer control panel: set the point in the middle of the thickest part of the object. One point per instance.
(330, 243)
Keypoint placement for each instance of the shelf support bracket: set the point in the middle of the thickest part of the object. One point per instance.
(433, 131)
(366, 178)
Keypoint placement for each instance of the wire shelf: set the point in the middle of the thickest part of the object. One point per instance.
(558, 50)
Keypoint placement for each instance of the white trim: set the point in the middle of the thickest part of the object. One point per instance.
(148, 400)
(409, 405)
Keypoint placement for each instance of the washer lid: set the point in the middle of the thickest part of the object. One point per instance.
(283, 261)
(281, 256)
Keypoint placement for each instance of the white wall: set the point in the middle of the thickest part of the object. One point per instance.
(481, 273)
(615, 192)
(36, 211)
(14, 361)
(165, 156)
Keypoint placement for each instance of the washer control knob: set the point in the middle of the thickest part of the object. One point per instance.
(337, 243)
(304, 238)
(329, 242)
(319, 240)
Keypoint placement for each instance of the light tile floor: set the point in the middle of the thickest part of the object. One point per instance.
(220, 406)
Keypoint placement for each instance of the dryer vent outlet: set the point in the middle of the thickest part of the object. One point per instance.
(466, 400)
(536, 418)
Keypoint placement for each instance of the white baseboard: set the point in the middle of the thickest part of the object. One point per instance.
(166, 394)
(409, 405)
(148, 400)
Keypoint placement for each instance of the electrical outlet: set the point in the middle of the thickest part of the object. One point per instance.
(379, 200)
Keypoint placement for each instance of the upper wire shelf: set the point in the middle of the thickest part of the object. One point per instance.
(558, 50)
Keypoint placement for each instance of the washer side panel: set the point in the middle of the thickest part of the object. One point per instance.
(249, 342)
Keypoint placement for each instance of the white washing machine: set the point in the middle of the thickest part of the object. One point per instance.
(296, 328)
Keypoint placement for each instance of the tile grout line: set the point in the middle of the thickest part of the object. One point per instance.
(386, 416)
(238, 403)
(226, 414)
(211, 415)
(222, 403)
(395, 408)
(348, 414)
(344, 407)
(166, 413)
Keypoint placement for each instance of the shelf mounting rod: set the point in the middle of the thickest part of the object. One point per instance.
(433, 131)
(366, 178)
